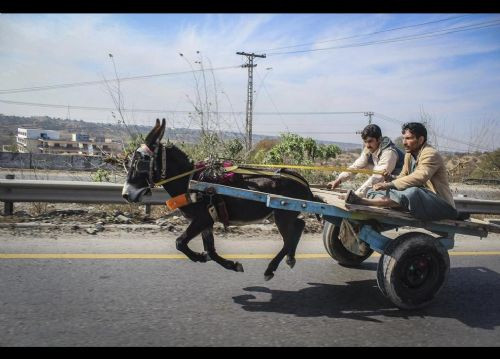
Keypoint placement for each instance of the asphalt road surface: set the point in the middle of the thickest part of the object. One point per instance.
(122, 288)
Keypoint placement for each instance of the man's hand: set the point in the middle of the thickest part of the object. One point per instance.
(382, 186)
(387, 176)
(333, 184)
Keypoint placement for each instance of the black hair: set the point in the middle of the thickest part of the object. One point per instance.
(415, 128)
(371, 131)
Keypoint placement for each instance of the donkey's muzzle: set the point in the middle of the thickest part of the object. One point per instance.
(133, 194)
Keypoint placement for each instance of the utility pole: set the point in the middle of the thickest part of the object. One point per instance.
(369, 114)
(248, 123)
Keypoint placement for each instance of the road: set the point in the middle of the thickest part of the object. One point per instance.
(132, 288)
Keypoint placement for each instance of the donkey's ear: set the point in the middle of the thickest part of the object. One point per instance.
(162, 129)
(153, 134)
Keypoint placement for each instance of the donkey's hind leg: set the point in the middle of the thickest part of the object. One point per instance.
(209, 245)
(299, 225)
(285, 221)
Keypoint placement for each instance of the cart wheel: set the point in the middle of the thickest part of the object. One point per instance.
(380, 271)
(337, 251)
(412, 270)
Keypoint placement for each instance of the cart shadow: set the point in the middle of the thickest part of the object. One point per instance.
(471, 296)
(368, 266)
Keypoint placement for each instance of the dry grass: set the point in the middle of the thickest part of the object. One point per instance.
(157, 211)
(38, 208)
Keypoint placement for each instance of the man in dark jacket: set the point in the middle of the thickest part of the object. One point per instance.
(379, 154)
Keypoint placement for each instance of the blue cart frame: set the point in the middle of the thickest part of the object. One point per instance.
(418, 246)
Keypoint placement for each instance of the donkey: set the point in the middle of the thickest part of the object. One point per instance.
(154, 159)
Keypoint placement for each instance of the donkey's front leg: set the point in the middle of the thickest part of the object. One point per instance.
(181, 243)
(209, 245)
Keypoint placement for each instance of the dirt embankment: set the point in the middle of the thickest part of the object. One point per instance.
(92, 220)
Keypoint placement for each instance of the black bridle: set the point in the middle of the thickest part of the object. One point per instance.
(144, 162)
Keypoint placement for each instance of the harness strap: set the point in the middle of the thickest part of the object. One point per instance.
(318, 168)
(159, 183)
(163, 162)
(151, 166)
(236, 169)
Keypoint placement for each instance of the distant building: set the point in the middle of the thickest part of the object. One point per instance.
(28, 139)
(49, 141)
(77, 137)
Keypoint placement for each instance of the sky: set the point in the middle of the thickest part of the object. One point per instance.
(321, 75)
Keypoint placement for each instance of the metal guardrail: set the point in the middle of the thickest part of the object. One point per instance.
(12, 191)
(477, 206)
(493, 181)
(100, 192)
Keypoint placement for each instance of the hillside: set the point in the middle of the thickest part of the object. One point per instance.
(9, 125)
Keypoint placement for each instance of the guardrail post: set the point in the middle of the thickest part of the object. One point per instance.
(8, 209)
(147, 209)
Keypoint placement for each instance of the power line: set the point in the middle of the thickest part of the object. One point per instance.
(376, 114)
(402, 38)
(314, 132)
(367, 34)
(275, 107)
(95, 108)
(97, 82)
(435, 133)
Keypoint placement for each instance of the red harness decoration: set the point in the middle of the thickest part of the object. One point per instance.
(215, 174)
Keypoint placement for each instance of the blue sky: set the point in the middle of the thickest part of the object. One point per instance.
(453, 79)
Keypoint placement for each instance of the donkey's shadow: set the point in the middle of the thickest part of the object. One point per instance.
(472, 296)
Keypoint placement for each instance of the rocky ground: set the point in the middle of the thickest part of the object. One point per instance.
(93, 221)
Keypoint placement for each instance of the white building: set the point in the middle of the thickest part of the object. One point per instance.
(49, 141)
(28, 139)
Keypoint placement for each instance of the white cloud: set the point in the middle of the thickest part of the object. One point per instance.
(393, 79)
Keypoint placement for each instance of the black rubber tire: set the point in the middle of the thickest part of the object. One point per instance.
(380, 271)
(336, 249)
(413, 270)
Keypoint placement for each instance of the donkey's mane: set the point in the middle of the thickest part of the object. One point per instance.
(177, 154)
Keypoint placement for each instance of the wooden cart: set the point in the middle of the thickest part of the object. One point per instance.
(412, 268)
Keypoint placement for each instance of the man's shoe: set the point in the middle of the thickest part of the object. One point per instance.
(352, 198)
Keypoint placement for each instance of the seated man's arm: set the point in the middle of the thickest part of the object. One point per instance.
(427, 166)
(387, 163)
(361, 162)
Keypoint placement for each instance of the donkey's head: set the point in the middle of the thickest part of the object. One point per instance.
(143, 171)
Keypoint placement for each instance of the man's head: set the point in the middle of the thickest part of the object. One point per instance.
(371, 135)
(414, 136)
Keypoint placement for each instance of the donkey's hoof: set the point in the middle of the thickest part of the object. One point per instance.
(202, 257)
(238, 267)
(291, 262)
(206, 256)
(268, 277)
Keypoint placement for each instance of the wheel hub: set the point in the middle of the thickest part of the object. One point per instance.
(418, 271)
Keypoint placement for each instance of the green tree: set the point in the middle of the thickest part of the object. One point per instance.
(294, 149)
(233, 149)
(329, 151)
